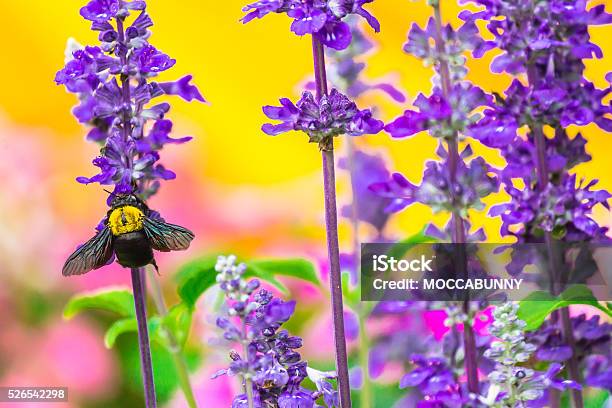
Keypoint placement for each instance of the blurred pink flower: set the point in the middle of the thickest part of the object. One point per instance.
(434, 321)
(208, 392)
(68, 355)
(74, 355)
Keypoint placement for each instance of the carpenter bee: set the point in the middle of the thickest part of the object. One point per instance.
(131, 232)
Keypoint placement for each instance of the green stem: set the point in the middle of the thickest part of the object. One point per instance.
(248, 383)
(175, 349)
(364, 347)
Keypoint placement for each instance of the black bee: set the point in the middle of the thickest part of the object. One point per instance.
(131, 233)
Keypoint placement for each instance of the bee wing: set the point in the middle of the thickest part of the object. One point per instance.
(94, 254)
(167, 237)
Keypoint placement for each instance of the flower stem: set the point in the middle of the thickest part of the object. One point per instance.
(248, 383)
(138, 285)
(174, 347)
(556, 258)
(138, 277)
(457, 222)
(331, 224)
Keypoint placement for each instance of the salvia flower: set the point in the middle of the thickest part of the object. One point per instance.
(367, 169)
(320, 18)
(421, 43)
(599, 371)
(441, 116)
(517, 385)
(113, 82)
(474, 181)
(562, 154)
(551, 102)
(526, 29)
(332, 115)
(563, 209)
(548, 40)
(435, 381)
(592, 337)
(269, 364)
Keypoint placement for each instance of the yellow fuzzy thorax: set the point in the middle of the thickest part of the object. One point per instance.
(125, 219)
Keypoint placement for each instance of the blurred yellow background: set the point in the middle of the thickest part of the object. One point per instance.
(239, 190)
(239, 187)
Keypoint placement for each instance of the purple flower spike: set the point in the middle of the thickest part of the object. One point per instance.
(102, 76)
(366, 170)
(255, 317)
(332, 116)
(323, 19)
(439, 115)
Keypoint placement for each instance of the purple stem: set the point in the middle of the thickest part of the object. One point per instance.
(554, 255)
(138, 282)
(331, 224)
(458, 226)
(138, 285)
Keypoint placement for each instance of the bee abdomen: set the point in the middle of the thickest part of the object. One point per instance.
(133, 250)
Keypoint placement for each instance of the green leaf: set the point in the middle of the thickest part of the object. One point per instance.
(195, 278)
(130, 325)
(536, 307)
(352, 297)
(268, 269)
(399, 249)
(117, 329)
(119, 301)
(178, 322)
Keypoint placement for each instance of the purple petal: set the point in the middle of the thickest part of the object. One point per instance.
(183, 88)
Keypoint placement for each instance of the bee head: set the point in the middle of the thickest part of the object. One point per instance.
(121, 200)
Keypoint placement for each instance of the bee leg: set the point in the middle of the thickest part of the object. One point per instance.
(156, 267)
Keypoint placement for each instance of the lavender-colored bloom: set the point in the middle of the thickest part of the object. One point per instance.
(103, 77)
(366, 170)
(332, 115)
(591, 337)
(563, 209)
(599, 371)
(150, 60)
(527, 30)
(435, 381)
(183, 88)
(517, 384)
(439, 116)
(241, 401)
(550, 38)
(320, 18)
(322, 380)
(296, 399)
(254, 318)
(100, 11)
(437, 191)
(116, 168)
(552, 101)
(431, 375)
(421, 44)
